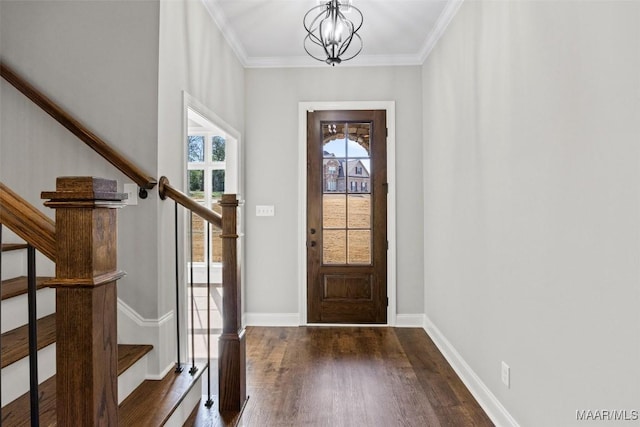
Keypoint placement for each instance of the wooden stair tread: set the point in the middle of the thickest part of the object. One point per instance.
(6, 247)
(128, 354)
(162, 395)
(17, 413)
(18, 285)
(15, 343)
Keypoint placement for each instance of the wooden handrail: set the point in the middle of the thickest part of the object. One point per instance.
(127, 167)
(165, 189)
(27, 222)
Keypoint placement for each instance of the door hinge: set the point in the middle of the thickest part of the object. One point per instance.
(386, 187)
(386, 131)
(387, 301)
(387, 245)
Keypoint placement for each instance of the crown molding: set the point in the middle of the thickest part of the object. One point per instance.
(449, 11)
(439, 28)
(227, 32)
(307, 62)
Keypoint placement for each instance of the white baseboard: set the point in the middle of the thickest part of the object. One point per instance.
(409, 320)
(293, 319)
(271, 319)
(487, 400)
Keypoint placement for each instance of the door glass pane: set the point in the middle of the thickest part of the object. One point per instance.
(359, 211)
(346, 221)
(333, 140)
(359, 247)
(358, 145)
(333, 179)
(334, 247)
(195, 148)
(334, 211)
(195, 184)
(217, 149)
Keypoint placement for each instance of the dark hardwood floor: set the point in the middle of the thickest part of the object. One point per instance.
(317, 376)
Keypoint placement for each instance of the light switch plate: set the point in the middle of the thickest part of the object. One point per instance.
(264, 210)
(131, 191)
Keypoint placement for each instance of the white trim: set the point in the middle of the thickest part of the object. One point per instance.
(439, 28)
(271, 319)
(303, 107)
(162, 373)
(233, 153)
(409, 320)
(229, 35)
(220, 19)
(141, 321)
(487, 400)
(308, 62)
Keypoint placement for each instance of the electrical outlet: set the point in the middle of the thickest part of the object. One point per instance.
(265, 210)
(131, 190)
(506, 375)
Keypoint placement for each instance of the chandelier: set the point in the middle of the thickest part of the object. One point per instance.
(330, 34)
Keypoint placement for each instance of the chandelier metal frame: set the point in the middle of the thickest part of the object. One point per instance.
(334, 45)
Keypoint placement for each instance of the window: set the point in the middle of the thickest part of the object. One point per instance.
(358, 170)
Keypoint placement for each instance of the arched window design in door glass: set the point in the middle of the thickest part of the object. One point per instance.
(346, 199)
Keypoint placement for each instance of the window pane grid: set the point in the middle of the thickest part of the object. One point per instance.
(346, 187)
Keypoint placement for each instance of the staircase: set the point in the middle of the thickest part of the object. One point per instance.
(171, 399)
(99, 379)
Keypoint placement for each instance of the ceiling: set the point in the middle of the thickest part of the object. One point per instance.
(269, 33)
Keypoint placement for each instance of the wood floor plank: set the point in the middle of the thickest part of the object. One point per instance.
(15, 343)
(18, 286)
(16, 413)
(352, 377)
(153, 402)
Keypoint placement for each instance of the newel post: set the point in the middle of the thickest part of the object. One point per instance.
(231, 345)
(86, 275)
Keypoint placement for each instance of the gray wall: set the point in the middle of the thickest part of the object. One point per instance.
(99, 61)
(272, 97)
(194, 59)
(532, 197)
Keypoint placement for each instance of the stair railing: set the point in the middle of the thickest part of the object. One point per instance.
(231, 344)
(27, 222)
(36, 229)
(130, 169)
(231, 362)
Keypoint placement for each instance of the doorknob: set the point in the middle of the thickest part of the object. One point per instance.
(312, 231)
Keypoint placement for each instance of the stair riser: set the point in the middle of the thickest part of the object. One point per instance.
(14, 264)
(14, 310)
(187, 405)
(130, 379)
(15, 377)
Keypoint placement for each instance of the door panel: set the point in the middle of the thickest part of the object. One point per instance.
(346, 217)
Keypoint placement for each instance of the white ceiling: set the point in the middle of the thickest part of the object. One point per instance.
(269, 33)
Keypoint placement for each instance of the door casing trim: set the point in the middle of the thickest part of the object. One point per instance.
(390, 108)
